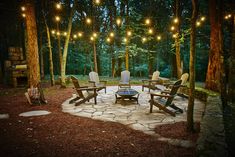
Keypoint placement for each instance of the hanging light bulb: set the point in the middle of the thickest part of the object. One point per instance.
(23, 8)
(148, 21)
(108, 40)
(58, 6)
(129, 33)
(144, 39)
(203, 18)
(80, 34)
(118, 21)
(88, 21)
(111, 34)
(57, 18)
(150, 31)
(97, 2)
(176, 20)
(53, 31)
(172, 28)
(159, 37)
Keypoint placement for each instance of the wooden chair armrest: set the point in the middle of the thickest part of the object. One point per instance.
(160, 95)
(88, 88)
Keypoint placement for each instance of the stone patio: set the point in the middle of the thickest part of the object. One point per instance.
(134, 115)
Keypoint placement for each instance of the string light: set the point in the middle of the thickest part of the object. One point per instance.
(92, 38)
(57, 18)
(159, 37)
(203, 18)
(111, 34)
(53, 31)
(198, 23)
(23, 15)
(58, 33)
(176, 20)
(79, 34)
(108, 40)
(88, 21)
(150, 31)
(144, 39)
(58, 6)
(65, 33)
(94, 35)
(129, 33)
(75, 36)
(228, 16)
(174, 35)
(97, 2)
(118, 21)
(125, 40)
(147, 21)
(172, 28)
(23, 8)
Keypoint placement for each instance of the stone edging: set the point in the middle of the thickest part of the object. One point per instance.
(211, 141)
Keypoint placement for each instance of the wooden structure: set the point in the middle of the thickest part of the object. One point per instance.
(16, 72)
(151, 83)
(84, 93)
(165, 100)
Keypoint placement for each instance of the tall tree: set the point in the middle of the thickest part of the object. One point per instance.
(128, 40)
(190, 122)
(214, 66)
(177, 21)
(66, 45)
(231, 81)
(32, 44)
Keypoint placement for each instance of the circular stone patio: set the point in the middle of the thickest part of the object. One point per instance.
(134, 115)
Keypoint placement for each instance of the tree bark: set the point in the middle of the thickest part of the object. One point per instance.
(32, 45)
(127, 27)
(177, 40)
(66, 45)
(41, 57)
(190, 122)
(231, 80)
(51, 67)
(59, 50)
(214, 67)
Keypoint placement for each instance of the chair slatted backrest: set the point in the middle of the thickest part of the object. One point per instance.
(77, 86)
(155, 75)
(125, 76)
(173, 92)
(94, 77)
(184, 78)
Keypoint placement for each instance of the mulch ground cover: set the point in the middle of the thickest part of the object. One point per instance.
(61, 134)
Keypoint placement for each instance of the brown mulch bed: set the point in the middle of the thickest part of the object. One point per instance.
(61, 134)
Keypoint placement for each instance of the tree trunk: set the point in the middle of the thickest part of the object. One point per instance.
(177, 40)
(66, 45)
(95, 57)
(59, 50)
(127, 27)
(50, 57)
(41, 57)
(32, 45)
(190, 122)
(214, 66)
(231, 80)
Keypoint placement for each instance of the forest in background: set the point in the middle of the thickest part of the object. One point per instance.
(144, 56)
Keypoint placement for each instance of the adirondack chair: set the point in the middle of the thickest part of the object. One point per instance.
(165, 100)
(125, 79)
(84, 93)
(151, 83)
(94, 78)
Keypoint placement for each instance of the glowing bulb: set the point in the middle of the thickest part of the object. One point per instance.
(229, 15)
(58, 33)
(108, 40)
(92, 38)
(75, 36)
(129, 33)
(58, 6)
(57, 18)
(176, 20)
(118, 21)
(159, 37)
(23, 15)
(198, 23)
(144, 39)
(79, 34)
(172, 28)
(150, 31)
(94, 35)
(147, 21)
(88, 21)
(203, 18)
(111, 34)
(97, 1)
(125, 40)
(23, 8)
(53, 31)
(65, 33)
(174, 35)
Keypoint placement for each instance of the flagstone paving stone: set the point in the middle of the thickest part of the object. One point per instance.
(134, 115)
